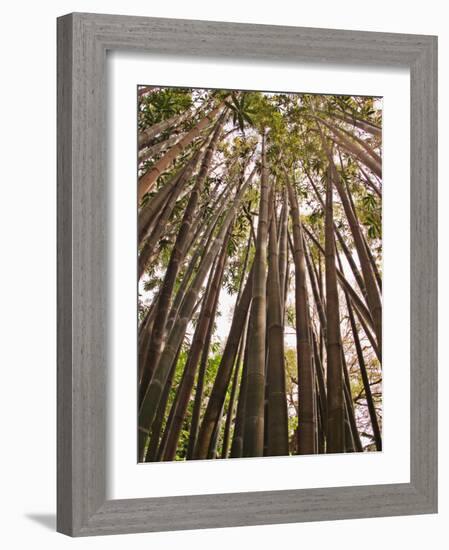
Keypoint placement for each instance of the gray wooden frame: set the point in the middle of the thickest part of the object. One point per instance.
(83, 40)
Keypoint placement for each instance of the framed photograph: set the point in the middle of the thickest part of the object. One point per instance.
(247, 274)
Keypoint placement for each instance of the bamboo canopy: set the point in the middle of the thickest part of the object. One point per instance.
(260, 274)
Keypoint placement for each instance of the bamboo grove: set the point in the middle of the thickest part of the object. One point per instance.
(259, 265)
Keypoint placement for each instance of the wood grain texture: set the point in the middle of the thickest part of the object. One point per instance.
(83, 40)
(64, 277)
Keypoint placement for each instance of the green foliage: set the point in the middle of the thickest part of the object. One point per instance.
(163, 104)
(242, 110)
(371, 216)
(213, 363)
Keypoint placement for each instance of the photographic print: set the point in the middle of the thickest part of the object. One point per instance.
(259, 274)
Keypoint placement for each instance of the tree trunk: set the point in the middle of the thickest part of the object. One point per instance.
(365, 379)
(178, 253)
(169, 423)
(202, 248)
(374, 164)
(335, 398)
(367, 331)
(150, 211)
(149, 248)
(370, 182)
(374, 302)
(315, 290)
(322, 400)
(253, 438)
(351, 262)
(357, 301)
(156, 428)
(283, 250)
(348, 255)
(277, 414)
(306, 387)
(368, 249)
(188, 379)
(361, 124)
(147, 136)
(242, 346)
(155, 388)
(157, 148)
(237, 438)
(194, 425)
(144, 338)
(363, 144)
(349, 405)
(147, 181)
(224, 373)
(232, 397)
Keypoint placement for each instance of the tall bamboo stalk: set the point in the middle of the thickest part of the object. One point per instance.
(177, 255)
(232, 397)
(188, 379)
(196, 412)
(156, 205)
(152, 151)
(335, 397)
(156, 428)
(237, 438)
(306, 387)
(242, 347)
(283, 248)
(224, 373)
(155, 388)
(368, 249)
(365, 379)
(147, 181)
(321, 382)
(205, 239)
(146, 136)
(350, 259)
(253, 438)
(361, 124)
(374, 164)
(373, 298)
(349, 405)
(277, 414)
